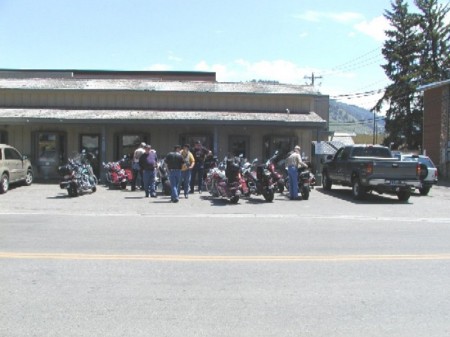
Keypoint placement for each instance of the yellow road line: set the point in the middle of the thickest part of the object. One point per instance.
(225, 258)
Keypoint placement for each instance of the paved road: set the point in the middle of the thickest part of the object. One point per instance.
(113, 263)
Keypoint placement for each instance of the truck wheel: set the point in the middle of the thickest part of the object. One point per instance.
(358, 191)
(424, 190)
(326, 182)
(403, 195)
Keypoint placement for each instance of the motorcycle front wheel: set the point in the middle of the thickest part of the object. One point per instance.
(72, 191)
(234, 199)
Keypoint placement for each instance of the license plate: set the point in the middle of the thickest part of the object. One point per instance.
(394, 182)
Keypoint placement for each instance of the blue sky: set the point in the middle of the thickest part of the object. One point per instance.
(284, 40)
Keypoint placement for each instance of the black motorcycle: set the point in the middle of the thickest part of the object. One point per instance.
(162, 178)
(78, 176)
(259, 180)
(306, 182)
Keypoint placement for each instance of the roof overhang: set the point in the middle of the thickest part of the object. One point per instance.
(58, 116)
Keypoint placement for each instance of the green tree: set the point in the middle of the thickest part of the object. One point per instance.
(435, 37)
(401, 51)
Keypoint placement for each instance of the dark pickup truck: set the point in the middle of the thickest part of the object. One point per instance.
(368, 168)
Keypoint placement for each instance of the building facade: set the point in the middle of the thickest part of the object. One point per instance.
(50, 115)
(436, 128)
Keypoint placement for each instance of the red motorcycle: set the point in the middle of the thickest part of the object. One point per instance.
(224, 181)
(119, 173)
(277, 177)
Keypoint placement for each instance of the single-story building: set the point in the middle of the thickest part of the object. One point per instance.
(51, 114)
(436, 129)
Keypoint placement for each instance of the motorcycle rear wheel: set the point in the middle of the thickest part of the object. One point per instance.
(234, 199)
(280, 185)
(268, 195)
(305, 193)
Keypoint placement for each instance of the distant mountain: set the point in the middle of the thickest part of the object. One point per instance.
(350, 118)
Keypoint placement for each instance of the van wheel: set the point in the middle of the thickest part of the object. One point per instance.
(29, 178)
(4, 183)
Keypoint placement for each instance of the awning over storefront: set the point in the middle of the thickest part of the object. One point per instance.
(23, 116)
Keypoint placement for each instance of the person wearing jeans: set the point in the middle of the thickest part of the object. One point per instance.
(148, 162)
(174, 162)
(293, 163)
(188, 164)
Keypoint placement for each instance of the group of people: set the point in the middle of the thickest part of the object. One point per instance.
(185, 165)
(186, 168)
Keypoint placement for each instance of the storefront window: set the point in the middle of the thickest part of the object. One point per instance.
(127, 143)
(238, 145)
(206, 140)
(284, 144)
(3, 137)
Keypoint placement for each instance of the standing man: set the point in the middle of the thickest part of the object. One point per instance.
(174, 162)
(136, 167)
(149, 162)
(188, 164)
(200, 153)
(293, 163)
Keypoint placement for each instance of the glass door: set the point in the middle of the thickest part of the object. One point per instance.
(91, 144)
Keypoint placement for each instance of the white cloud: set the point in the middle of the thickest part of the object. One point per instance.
(241, 71)
(342, 17)
(159, 67)
(374, 28)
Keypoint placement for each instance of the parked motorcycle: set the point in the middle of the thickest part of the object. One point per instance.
(162, 178)
(276, 176)
(78, 176)
(119, 173)
(306, 181)
(224, 180)
(259, 180)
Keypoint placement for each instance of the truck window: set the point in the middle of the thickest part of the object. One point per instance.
(371, 151)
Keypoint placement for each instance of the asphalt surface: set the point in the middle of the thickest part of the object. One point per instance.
(114, 263)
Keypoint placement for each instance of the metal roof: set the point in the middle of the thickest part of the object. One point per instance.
(159, 117)
(152, 85)
(433, 85)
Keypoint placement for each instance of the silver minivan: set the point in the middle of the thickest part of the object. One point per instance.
(14, 167)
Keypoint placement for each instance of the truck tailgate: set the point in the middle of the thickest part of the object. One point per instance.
(388, 169)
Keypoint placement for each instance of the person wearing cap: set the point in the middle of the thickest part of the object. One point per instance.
(293, 163)
(174, 162)
(149, 162)
(188, 164)
(200, 153)
(136, 167)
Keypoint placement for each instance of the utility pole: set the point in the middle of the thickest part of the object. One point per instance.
(312, 78)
